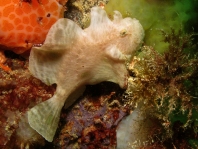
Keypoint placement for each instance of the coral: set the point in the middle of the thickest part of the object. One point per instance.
(155, 15)
(22, 135)
(24, 23)
(166, 84)
(2, 57)
(91, 122)
(72, 58)
(2, 60)
(19, 91)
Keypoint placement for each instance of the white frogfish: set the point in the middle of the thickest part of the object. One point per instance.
(72, 57)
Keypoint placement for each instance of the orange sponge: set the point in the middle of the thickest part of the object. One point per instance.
(26, 22)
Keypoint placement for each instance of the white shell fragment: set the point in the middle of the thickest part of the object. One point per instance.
(72, 58)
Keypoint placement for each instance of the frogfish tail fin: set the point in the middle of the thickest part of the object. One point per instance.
(45, 116)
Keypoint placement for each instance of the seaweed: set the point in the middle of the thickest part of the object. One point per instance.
(166, 86)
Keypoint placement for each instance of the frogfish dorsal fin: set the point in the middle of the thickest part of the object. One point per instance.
(63, 34)
(98, 17)
(117, 17)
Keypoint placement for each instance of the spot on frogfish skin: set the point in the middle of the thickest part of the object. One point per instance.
(99, 51)
(58, 33)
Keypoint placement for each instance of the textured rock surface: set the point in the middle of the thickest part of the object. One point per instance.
(19, 91)
(92, 121)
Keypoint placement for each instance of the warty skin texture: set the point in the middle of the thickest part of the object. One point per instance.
(72, 58)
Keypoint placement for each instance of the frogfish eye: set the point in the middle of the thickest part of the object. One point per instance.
(123, 33)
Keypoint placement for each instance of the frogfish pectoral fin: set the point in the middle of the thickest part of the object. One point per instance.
(45, 116)
(114, 53)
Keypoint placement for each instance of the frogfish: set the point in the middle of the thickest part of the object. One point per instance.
(26, 22)
(72, 57)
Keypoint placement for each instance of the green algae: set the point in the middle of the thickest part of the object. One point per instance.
(155, 15)
(193, 143)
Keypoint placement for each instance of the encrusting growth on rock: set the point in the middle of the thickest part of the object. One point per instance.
(165, 86)
(72, 58)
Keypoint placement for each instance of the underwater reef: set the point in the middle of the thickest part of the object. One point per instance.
(159, 108)
(168, 98)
